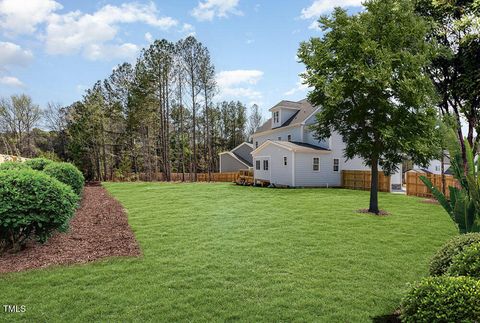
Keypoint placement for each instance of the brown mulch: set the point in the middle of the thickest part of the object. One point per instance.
(99, 229)
(382, 212)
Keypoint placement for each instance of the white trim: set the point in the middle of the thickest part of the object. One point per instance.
(293, 168)
(300, 149)
(311, 114)
(313, 164)
(243, 143)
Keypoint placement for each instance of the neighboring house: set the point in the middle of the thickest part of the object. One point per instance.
(435, 167)
(236, 159)
(287, 153)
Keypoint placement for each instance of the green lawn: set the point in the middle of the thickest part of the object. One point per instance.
(220, 252)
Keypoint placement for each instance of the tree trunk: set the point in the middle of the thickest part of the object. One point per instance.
(374, 188)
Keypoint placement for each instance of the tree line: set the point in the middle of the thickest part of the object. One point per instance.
(158, 115)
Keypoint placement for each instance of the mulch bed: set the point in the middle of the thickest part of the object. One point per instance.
(381, 213)
(99, 229)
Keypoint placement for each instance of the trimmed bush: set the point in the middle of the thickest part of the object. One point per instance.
(11, 165)
(32, 205)
(443, 258)
(442, 299)
(38, 163)
(68, 174)
(466, 263)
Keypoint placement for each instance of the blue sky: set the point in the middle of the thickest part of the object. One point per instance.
(53, 50)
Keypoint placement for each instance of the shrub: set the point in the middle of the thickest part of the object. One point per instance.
(11, 165)
(32, 205)
(442, 299)
(68, 174)
(466, 263)
(443, 258)
(38, 163)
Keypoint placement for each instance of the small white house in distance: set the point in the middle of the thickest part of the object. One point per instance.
(435, 167)
(286, 152)
(236, 159)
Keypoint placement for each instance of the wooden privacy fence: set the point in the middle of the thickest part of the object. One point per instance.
(360, 180)
(416, 187)
(178, 177)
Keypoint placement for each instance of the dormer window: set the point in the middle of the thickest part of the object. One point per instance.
(276, 116)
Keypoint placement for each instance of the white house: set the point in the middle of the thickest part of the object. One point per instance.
(287, 154)
(435, 167)
(236, 159)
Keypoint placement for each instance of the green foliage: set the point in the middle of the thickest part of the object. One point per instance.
(442, 299)
(368, 75)
(467, 263)
(11, 165)
(32, 205)
(38, 163)
(68, 174)
(464, 203)
(442, 260)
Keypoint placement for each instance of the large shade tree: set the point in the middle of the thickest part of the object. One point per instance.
(367, 72)
(455, 73)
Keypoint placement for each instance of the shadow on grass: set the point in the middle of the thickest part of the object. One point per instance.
(388, 318)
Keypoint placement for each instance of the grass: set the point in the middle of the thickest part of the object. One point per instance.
(219, 252)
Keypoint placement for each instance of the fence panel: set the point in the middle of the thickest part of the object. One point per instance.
(360, 180)
(416, 187)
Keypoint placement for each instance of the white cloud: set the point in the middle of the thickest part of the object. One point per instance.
(148, 37)
(12, 54)
(320, 7)
(209, 9)
(91, 33)
(298, 88)
(188, 29)
(11, 81)
(229, 78)
(20, 17)
(107, 52)
(237, 84)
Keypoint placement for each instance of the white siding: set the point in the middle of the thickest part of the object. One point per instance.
(277, 173)
(434, 167)
(306, 176)
(282, 132)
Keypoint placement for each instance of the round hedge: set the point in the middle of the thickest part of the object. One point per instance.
(11, 165)
(32, 205)
(68, 174)
(38, 163)
(442, 299)
(466, 263)
(443, 258)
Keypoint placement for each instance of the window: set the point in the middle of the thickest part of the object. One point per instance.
(265, 165)
(276, 118)
(279, 138)
(256, 144)
(257, 165)
(285, 161)
(437, 168)
(316, 163)
(335, 165)
(289, 137)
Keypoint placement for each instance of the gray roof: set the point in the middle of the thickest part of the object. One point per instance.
(295, 145)
(246, 162)
(305, 109)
